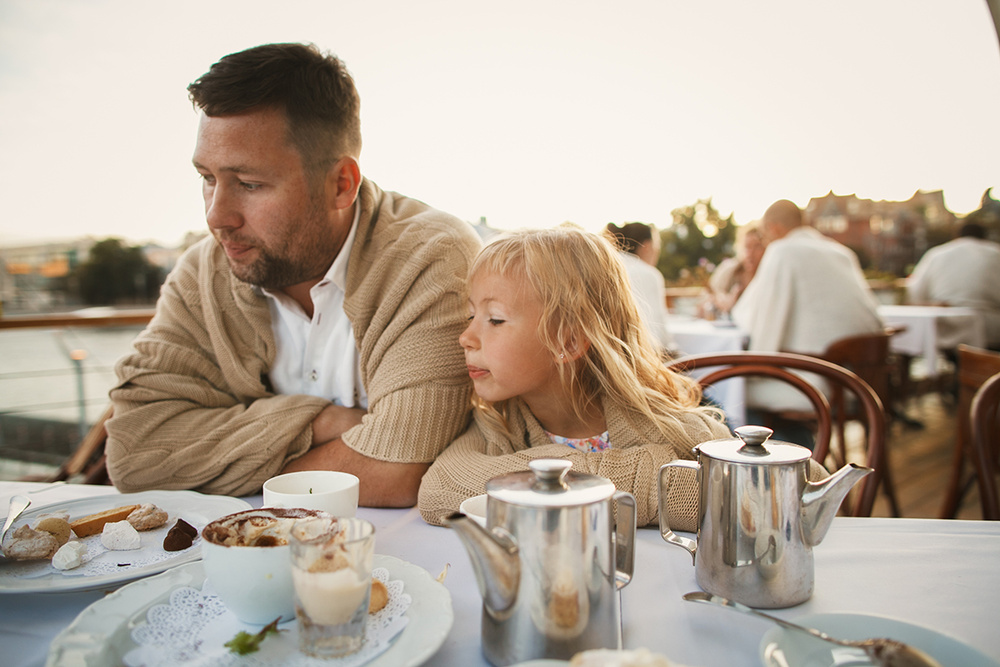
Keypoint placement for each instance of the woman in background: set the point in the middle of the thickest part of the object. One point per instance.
(639, 247)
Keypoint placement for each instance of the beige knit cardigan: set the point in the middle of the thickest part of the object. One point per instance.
(193, 408)
(632, 463)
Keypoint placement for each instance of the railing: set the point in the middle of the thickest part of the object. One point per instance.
(99, 318)
(55, 371)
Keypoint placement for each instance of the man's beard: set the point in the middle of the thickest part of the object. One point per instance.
(272, 272)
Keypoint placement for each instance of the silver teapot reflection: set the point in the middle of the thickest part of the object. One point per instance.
(550, 562)
(758, 517)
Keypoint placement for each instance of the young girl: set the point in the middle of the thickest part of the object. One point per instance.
(564, 368)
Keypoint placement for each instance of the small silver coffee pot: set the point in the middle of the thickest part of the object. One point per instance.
(758, 517)
(550, 562)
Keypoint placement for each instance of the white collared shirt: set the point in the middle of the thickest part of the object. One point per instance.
(318, 356)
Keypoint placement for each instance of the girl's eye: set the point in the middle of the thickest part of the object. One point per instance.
(494, 321)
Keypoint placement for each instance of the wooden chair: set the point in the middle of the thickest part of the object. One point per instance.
(986, 444)
(778, 365)
(975, 367)
(867, 356)
(87, 463)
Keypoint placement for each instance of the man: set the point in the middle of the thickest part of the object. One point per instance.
(317, 328)
(962, 272)
(808, 291)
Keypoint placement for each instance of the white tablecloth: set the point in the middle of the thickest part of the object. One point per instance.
(697, 336)
(939, 574)
(930, 329)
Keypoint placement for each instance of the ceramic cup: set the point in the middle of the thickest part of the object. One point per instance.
(475, 508)
(324, 490)
(253, 580)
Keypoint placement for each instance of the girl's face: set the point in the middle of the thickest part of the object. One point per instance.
(502, 349)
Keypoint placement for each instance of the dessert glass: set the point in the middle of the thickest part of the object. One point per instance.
(332, 575)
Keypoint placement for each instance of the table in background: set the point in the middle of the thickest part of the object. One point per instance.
(930, 572)
(933, 329)
(697, 336)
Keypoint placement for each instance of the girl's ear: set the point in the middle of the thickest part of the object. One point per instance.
(576, 347)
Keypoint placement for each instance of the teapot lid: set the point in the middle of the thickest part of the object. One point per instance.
(550, 483)
(752, 447)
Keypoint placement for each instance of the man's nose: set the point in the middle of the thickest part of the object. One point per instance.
(221, 211)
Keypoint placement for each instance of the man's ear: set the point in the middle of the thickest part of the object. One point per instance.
(342, 183)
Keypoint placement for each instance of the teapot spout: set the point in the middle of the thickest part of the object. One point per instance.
(495, 560)
(821, 500)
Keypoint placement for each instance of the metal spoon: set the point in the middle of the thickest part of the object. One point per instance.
(17, 505)
(885, 652)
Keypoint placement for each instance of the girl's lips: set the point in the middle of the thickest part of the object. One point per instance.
(475, 372)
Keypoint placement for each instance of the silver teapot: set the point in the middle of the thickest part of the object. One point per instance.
(550, 562)
(758, 517)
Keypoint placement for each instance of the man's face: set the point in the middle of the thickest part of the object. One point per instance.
(259, 203)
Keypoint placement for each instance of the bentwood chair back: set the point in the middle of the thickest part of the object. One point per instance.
(975, 367)
(87, 463)
(986, 444)
(779, 366)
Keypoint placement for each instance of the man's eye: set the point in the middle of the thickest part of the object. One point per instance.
(249, 186)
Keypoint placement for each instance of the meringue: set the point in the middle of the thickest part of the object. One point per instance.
(70, 555)
(120, 536)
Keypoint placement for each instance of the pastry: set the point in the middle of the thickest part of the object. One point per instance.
(56, 526)
(147, 517)
(379, 598)
(94, 523)
(29, 544)
(610, 658)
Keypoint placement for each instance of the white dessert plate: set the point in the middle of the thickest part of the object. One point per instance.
(118, 566)
(101, 634)
(782, 648)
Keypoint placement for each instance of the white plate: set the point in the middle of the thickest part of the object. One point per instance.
(195, 508)
(101, 634)
(781, 647)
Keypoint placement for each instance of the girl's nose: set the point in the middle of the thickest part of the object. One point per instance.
(467, 339)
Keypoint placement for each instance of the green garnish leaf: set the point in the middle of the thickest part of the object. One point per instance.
(245, 643)
(310, 490)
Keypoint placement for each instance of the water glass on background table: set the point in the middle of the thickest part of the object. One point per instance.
(332, 573)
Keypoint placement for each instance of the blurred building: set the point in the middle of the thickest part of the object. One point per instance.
(888, 236)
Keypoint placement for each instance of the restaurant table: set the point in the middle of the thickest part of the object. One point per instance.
(933, 329)
(936, 573)
(697, 336)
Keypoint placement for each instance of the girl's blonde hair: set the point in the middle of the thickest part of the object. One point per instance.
(587, 301)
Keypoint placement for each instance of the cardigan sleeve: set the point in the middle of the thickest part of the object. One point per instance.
(192, 412)
(463, 469)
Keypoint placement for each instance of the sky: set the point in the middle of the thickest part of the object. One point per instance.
(526, 112)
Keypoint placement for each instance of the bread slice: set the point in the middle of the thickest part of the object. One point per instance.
(94, 523)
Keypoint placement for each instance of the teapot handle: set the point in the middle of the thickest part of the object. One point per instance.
(690, 545)
(624, 538)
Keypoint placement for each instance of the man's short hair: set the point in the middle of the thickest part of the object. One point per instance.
(314, 89)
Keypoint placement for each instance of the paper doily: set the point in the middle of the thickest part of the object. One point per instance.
(194, 626)
(100, 560)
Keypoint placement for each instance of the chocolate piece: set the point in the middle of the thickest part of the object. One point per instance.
(180, 536)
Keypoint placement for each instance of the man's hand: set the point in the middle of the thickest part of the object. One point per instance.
(334, 421)
(383, 483)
